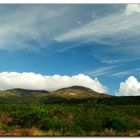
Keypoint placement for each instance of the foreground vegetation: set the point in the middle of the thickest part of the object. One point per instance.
(69, 120)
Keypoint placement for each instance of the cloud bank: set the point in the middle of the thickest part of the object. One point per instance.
(131, 87)
(30, 80)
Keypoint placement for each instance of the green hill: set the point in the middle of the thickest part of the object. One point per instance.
(61, 95)
(77, 92)
(70, 95)
(19, 95)
(26, 92)
(74, 94)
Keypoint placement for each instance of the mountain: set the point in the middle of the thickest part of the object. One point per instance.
(20, 95)
(7, 93)
(69, 95)
(77, 92)
(62, 95)
(26, 92)
(74, 94)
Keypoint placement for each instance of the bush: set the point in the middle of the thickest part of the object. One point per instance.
(53, 124)
(117, 122)
(7, 128)
(88, 122)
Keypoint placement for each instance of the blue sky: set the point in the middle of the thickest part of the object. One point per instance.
(98, 40)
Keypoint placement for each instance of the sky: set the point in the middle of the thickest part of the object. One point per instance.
(50, 46)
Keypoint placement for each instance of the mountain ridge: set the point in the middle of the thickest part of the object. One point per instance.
(26, 91)
(27, 95)
(68, 95)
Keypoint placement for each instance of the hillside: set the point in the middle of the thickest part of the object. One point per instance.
(77, 92)
(19, 95)
(70, 95)
(26, 92)
(61, 95)
(74, 94)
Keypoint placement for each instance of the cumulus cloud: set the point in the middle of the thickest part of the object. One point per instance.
(132, 8)
(30, 80)
(131, 87)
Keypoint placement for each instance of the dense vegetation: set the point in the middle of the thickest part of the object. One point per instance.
(75, 119)
(60, 116)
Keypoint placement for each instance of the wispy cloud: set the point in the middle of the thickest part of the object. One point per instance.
(119, 30)
(35, 25)
(112, 71)
(122, 73)
(114, 60)
(126, 73)
(31, 26)
(101, 71)
(27, 26)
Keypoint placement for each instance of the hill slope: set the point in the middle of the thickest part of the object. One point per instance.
(26, 92)
(19, 95)
(77, 92)
(61, 95)
(72, 94)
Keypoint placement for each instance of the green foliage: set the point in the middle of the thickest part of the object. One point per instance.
(85, 118)
(7, 128)
(88, 124)
(53, 124)
(71, 119)
(115, 121)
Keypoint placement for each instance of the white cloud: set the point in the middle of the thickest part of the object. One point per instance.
(132, 8)
(25, 80)
(131, 87)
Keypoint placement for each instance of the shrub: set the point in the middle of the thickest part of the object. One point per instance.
(7, 128)
(53, 124)
(88, 123)
(117, 122)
